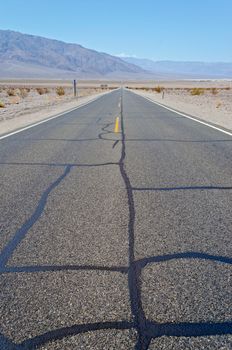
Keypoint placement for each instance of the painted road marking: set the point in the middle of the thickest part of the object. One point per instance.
(116, 127)
(186, 116)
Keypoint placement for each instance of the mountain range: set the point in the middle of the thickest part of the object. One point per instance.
(221, 70)
(23, 55)
(30, 56)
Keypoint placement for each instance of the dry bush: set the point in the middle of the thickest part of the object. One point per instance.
(11, 92)
(227, 88)
(197, 91)
(23, 92)
(214, 91)
(218, 105)
(158, 89)
(2, 105)
(60, 91)
(42, 91)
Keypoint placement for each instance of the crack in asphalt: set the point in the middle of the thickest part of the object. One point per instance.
(79, 165)
(182, 188)
(42, 339)
(54, 268)
(22, 231)
(133, 276)
(104, 131)
(115, 143)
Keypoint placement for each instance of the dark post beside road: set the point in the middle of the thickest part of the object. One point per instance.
(75, 87)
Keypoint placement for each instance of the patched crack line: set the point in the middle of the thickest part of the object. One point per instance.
(133, 273)
(22, 231)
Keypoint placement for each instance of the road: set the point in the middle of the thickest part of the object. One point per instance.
(116, 241)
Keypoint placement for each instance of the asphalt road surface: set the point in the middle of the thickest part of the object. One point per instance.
(116, 241)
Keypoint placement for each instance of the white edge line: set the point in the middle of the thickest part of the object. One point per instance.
(184, 115)
(53, 117)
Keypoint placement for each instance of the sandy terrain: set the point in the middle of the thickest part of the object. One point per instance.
(58, 82)
(26, 105)
(174, 84)
(214, 106)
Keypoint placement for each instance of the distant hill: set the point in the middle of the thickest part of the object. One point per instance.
(172, 69)
(29, 56)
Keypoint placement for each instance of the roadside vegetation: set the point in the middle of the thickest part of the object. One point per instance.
(197, 91)
(214, 91)
(11, 92)
(60, 91)
(42, 91)
(158, 89)
(23, 92)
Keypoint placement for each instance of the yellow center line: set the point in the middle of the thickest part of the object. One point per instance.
(116, 127)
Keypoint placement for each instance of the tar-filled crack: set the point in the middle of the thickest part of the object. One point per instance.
(133, 276)
(78, 165)
(55, 268)
(21, 232)
(37, 341)
(115, 143)
(105, 131)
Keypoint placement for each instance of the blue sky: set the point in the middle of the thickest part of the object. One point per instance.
(157, 29)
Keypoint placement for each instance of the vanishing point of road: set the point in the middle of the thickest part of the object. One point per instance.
(116, 240)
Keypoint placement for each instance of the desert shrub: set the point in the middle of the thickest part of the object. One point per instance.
(23, 92)
(214, 91)
(218, 105)
(42, 91)
(197, 91)
(2, 105)
(60, 91)
(158, 89)
(227, 88)
(11, 92)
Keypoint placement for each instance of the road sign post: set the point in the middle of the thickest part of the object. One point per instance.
(75, 87)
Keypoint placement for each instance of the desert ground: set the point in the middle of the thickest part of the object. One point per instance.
(23, 102)
(208, 100)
